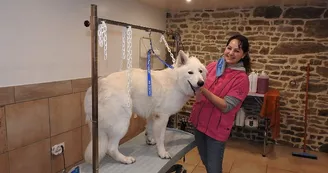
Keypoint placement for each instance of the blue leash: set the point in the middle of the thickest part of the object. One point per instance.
(167, 65)
(149, 69)
(148, 73)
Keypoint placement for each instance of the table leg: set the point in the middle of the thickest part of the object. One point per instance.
(265, 137)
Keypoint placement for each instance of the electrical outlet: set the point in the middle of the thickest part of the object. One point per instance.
(57, 149)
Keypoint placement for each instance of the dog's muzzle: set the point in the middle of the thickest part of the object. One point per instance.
(199, 84)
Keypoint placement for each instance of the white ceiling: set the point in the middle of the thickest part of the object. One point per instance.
(176, 5)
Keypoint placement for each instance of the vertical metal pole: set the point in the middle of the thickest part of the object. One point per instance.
(94, 78)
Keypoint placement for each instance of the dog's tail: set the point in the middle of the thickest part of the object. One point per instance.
(103, 145)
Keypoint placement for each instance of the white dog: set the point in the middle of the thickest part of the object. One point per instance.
(171, 89)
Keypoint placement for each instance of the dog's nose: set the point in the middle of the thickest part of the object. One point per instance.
(200, 83)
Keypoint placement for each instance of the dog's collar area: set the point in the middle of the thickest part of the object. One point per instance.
(192, 87)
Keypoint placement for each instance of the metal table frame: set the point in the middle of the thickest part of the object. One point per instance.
(257, 97)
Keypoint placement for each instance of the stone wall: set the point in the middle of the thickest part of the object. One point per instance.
(283, 39)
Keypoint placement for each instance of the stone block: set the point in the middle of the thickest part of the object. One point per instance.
(297, 48)
(316, 28)
(303, 12)
(268, 12)
(259, 22)
(323, 112)
(229, 14)
(323, 71)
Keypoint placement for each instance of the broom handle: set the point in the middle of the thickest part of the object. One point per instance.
(306, 106)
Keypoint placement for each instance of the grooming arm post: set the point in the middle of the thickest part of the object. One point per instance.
(94, 76)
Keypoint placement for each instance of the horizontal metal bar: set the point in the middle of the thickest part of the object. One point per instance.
(113, 22)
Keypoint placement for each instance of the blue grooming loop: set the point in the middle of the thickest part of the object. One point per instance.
(177, 143)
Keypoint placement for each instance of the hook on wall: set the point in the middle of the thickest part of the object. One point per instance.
(86, 23)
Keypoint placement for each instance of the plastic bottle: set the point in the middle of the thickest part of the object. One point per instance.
(253, 82)
(250, 78)
(255, 79)
(262, 83)
(240, 117)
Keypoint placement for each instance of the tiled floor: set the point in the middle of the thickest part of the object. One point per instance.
(245, 157)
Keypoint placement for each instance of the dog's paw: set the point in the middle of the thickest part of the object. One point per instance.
(164, 155)
(150, 141)
(129, 160)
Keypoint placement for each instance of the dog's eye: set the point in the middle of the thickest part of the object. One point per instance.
(190, 72)
(200, 71)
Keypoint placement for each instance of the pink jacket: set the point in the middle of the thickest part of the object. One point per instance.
(209, 119)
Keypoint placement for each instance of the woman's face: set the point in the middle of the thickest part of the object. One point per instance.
(233, 54)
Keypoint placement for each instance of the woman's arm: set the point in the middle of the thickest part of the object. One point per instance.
(217, 101)
(236, 95)
(198, 96)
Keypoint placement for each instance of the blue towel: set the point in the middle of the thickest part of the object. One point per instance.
(220, 67)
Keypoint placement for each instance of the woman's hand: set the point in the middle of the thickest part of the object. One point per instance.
(217, 101)
(198, 95)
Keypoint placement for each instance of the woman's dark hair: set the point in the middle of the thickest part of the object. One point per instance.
(244, 45)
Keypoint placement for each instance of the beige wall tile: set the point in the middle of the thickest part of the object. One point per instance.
(86, 137)
(27, 122)
(4, 163)
(80, 85)
(34, 158)
(43, 90)
(73, 149)
(7, 95)
(65, 113)
(3, 131)
(137, 125)
(82, 108)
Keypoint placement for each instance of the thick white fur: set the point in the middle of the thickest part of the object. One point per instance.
(170, 91)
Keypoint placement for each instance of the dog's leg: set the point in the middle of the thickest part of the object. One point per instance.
(118, 130)
(149, 131)
(102, 147)
(159, 127)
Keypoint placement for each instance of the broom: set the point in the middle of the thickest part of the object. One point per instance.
(304, 154)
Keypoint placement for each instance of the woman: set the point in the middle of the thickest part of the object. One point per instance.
(213, 113)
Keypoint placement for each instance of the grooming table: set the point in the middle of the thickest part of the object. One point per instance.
(177, 143)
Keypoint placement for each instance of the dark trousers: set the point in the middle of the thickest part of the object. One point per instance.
(211, 152)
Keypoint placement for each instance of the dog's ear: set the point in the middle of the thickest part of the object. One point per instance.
(182, 58)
